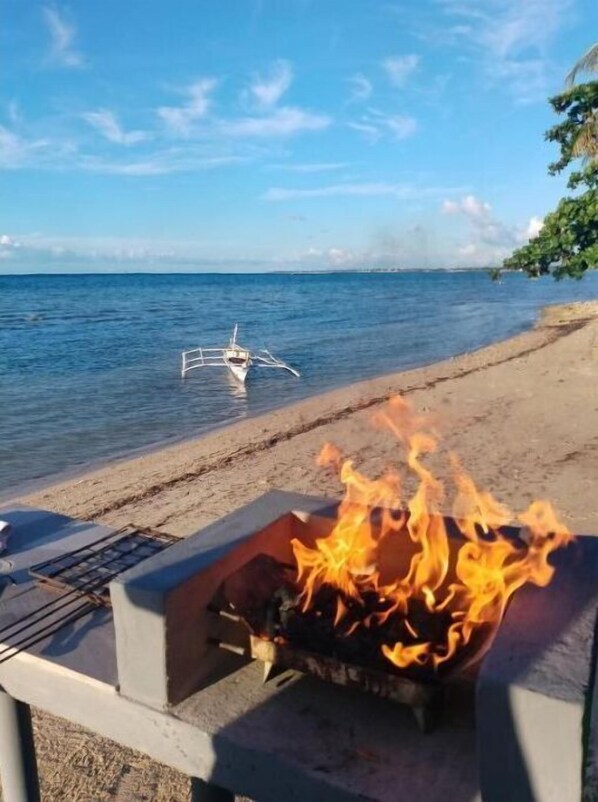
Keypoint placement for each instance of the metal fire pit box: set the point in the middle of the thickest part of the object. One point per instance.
(534, 688)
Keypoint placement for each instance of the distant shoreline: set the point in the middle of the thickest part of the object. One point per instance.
(277, 272)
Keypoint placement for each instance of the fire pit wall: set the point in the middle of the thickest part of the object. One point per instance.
(165, 630)
(533, 688)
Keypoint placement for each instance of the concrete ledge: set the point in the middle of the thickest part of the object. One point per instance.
(161, 622)
(534, 688)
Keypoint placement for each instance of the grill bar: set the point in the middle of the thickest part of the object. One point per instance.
(81, 576)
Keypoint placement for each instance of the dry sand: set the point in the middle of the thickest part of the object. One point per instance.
(522, 414)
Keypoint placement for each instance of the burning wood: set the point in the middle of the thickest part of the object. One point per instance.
(391, 587)
(448, 599)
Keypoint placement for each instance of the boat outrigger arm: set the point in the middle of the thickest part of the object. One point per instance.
(236, 358)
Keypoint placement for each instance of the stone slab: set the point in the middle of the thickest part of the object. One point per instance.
(295, 739)
(535, 685)
(87, 645)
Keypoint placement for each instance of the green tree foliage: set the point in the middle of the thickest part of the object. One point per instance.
(567, 245)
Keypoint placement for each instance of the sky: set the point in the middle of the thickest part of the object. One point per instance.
(249, 135)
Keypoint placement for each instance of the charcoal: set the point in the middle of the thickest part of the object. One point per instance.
(280, 614)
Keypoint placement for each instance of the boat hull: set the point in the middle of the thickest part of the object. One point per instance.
(239, 371)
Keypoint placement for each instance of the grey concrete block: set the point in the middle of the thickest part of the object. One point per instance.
(534, 687)
(161, 621)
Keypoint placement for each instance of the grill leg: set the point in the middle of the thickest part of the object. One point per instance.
(18, 767)
(202, 791)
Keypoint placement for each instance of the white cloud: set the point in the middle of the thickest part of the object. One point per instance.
(345, 190)
(367, 129)
(399, 68)
(16, 151)
(266, 92)
(340, 256)
(468, 205)
(401, 126)
(160, 163)
(180, 119)
(325, 257)
(486, 228)
(489, 239)
(62, 38)
(8, 246)
(511, 39)
(14, 113)
(282, 122)
(7, 241)
(316, 167)
(376, 125)
(107, 124)
(535, 225)
(361, 87)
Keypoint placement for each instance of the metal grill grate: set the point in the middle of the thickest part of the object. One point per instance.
(80, 579)
(90, 568)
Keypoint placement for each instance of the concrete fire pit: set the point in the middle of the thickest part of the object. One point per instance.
(150, 676)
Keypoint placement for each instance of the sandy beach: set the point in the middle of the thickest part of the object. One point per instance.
(522, 415)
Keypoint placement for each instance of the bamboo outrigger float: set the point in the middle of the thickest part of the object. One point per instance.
(233, 356)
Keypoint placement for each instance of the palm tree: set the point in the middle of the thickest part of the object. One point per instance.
(587, 63)
(586, 142)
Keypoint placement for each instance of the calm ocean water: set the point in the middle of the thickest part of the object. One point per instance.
(89, 365)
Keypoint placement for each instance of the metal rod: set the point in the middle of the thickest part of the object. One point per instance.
(18, 766)
(55, 606)
(118, 533)
(49, 608)
(229, 616)
(45, 632)
(229, 647)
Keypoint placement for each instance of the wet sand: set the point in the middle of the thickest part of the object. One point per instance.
(522, 415)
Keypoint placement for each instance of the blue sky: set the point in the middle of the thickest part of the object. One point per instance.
(278, 134)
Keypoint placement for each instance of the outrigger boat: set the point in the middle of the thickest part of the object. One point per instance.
(236, 358)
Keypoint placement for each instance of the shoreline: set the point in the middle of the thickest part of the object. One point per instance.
(131, 483)
(522, 414)
(81, 470)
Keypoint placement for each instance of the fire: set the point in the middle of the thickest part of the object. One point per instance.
(451, 589)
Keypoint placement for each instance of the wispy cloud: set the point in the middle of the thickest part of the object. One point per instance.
(180, 119)
(107, 124)
(62, 39)
(369, 189)
(317, 167)
(265, 92)
(361, 87)
(399, 68)
(400, 126)
(17, 151)
(164, 162)
(511, 39)
(282, 122)
(376, 125)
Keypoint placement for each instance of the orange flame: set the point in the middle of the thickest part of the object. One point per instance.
(463, 584)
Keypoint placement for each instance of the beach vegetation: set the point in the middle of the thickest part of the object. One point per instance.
(567, 244)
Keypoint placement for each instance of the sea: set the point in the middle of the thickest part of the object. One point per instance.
(90, 364)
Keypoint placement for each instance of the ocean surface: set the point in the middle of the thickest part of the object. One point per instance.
(90, 364)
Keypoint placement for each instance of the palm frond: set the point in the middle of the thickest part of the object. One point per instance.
(587, 63)
(585, 145)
